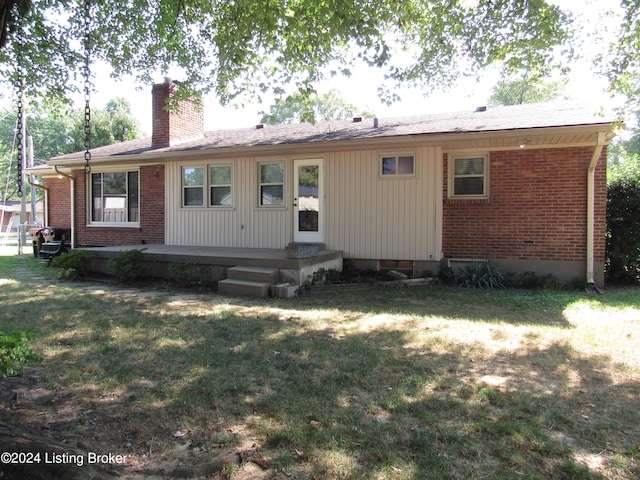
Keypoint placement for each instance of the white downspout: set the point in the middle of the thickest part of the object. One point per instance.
(45, 200)
(591, 182)
(72, 181)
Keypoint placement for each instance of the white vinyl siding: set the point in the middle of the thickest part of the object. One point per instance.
(371, 218)
(242, 225)
(366, 216)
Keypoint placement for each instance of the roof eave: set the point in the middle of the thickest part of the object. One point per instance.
(447, 140)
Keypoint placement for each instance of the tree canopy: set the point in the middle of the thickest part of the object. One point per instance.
(622, 61)
(243, 46)
(525, 90)
(301, 108)
(57, 129)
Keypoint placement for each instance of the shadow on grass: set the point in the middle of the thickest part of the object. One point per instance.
(514, 307)
(126, 374)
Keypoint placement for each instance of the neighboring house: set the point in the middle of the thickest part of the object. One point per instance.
(11, 210)
(524, 185)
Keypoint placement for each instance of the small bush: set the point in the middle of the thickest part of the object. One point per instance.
(531, 280)
(325, 276)
(14, 351)
(128, 266)
(623, 222)
(187, 275)
(446, 275)
(73, 264)
(480, 274)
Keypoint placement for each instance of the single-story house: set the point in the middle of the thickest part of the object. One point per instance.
(523, 185)
(10, 214)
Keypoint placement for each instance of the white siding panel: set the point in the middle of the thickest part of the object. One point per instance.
(244, 225)
(381, 218)
(366, 216)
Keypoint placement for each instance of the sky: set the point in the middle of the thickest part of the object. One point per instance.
(361, 88)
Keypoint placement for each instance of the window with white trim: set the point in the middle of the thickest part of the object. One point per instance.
(115, 197)
(271, 184)
(193, 186)
(397, 166)
(220, 186)
(469, 176)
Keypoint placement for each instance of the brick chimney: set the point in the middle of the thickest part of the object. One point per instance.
(183, 123)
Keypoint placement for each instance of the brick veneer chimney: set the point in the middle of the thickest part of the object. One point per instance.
(181, 124)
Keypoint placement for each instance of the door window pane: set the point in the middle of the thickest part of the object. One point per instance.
(308, 199)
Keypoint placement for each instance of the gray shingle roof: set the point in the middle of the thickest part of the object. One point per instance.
(502, 118)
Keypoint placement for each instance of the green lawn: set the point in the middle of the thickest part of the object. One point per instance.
(380, 382)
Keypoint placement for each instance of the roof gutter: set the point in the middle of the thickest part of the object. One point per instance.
(441, 139)
(591, 181)
(72, 182)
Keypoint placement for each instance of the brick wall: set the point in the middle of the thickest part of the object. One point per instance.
(536, 211)
(59, 202)
(185, 122)
(152, 211)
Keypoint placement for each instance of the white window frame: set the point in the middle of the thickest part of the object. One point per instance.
(183, 187)
(94, 223)
(397, 156)
(452, 176)
(211, 185)
(283, 183)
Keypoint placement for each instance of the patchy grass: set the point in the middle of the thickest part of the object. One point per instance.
(399, 383)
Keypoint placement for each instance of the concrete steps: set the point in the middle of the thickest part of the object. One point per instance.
(249, 281)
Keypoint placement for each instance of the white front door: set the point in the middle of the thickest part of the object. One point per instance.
(308, 201)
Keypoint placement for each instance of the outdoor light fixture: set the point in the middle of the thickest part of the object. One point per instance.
(525, 143)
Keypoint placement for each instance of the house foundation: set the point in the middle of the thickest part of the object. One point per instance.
(217, 261)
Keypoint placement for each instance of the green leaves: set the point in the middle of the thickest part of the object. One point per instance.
(310, 107)
(623, 222)
(516, 91)
(14, 351)
(231, 47)
(624, 71)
